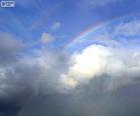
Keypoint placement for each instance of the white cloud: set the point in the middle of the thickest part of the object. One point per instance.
(122, 67)
(122, 35)
(47, 38)
(56, 25)
(128, 29)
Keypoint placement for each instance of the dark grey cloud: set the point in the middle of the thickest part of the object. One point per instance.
(9, 48)
(17, 77)
(23, 77)
(90, 101)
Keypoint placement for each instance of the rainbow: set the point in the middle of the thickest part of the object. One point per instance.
(95, 26)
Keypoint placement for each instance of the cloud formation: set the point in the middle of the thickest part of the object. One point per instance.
(120, 66)
(125, 29)
(58, 72)
(9, 47)
(82, 82)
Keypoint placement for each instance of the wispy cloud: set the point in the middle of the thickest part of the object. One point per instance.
(118, 34)
(129, 29)
(56, 25)
(47, 38)
(97, 3)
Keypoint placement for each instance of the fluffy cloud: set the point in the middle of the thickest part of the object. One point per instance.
(46, 38)
(86, 65)
(120, 66)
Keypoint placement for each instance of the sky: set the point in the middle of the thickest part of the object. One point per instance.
(70, 58)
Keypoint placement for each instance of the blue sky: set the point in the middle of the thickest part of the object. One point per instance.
(30, 19)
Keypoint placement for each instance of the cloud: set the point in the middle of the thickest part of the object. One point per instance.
(99, 75)
(125, 29)
(121, 35)
(59, 72)
(82, 83)
(96, 61)
(47, 38)
(85, 82)
(86, 65)
(9, 48)
(23, 76)
(56, 25)
(115, 34)
(87, 103)
(15, 79)
(97, 3)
